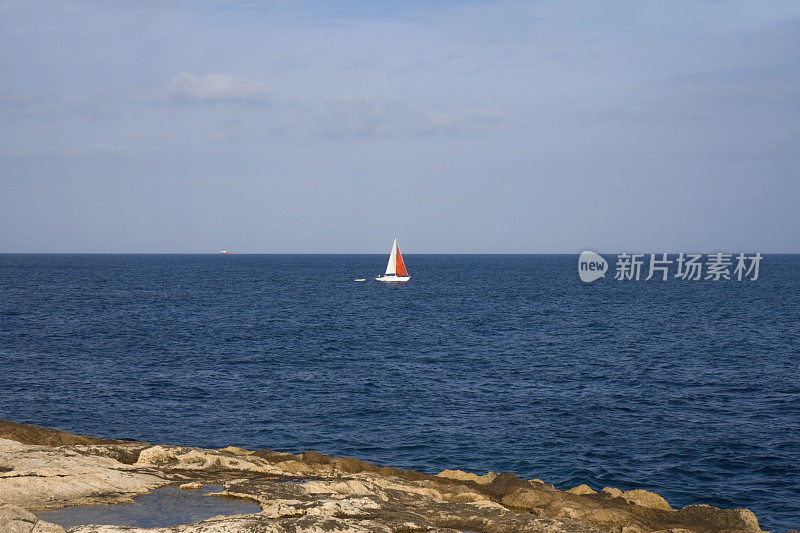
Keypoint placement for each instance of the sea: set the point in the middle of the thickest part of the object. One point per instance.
(690, 389)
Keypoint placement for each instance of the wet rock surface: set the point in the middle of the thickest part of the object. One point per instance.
(314, 492)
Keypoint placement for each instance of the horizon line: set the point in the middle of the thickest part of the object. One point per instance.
(407, 254)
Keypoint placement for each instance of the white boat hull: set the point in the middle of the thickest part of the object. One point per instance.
(395, 279)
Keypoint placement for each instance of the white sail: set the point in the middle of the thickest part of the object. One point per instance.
(391, 267)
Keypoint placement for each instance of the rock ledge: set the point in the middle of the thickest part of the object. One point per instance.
(43, 468)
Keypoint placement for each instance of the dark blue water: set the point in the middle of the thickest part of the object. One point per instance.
(690, 389)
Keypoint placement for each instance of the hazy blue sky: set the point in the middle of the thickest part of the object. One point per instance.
(533, 127)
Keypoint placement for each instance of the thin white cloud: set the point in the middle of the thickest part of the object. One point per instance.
(32, 106)
(377, 117)
(322, 116)
(216, 86)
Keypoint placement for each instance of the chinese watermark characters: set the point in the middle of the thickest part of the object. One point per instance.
(690, 267)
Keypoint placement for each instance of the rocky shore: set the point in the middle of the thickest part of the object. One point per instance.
(44, 468)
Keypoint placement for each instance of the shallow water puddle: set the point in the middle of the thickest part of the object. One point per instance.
(166, 506)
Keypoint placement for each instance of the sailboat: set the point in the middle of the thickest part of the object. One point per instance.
(395, 269)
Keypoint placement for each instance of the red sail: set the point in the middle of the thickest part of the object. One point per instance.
(401, 267)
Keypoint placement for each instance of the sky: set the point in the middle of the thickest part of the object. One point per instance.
(459, 127)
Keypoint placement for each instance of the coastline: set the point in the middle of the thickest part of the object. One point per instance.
(43, 468)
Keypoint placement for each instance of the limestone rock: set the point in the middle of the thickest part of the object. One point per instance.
(27, 434)
(15, 519)
(467, 476)
(631, 529)
(646, 499)
(615, 513)
(235, 450)
(39, 478)
(723, 519)
(582, 489)
(198, 459)
(294, 466)
(313, 492)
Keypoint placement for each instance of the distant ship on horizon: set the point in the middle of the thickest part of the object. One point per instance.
(227, 252)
